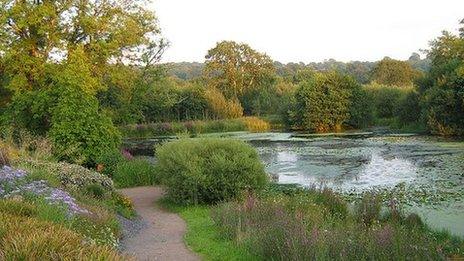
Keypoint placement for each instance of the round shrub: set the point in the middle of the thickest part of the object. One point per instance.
(209, 170)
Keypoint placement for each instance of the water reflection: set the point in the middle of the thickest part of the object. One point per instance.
(385, 172)
(337, 164)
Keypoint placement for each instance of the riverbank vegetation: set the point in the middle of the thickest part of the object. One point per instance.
(215, 188)
(77, 77)
(149, 130)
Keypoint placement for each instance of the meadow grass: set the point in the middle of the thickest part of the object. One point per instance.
(204, 237)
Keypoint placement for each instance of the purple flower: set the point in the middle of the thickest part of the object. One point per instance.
(13, 178)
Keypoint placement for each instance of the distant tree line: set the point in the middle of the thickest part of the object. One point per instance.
(74, 79)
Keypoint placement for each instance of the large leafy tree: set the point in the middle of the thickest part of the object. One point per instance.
(394, 73)
(35, 32)
(57, 55)
(323, 102)
(235, 68)
(443, 87)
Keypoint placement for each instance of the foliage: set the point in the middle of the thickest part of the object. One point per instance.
(32, 32)
(71, 176)
(386, 99)
(135, 172)
(361, 109)
(235, 68)
(301, 226)
(109, 160)
(24, 238)
(393, 73)
(409, 108)
(253, 124)
(208, 170)
(443, 87)
(323, 102)
(222, 108)
(203, 235)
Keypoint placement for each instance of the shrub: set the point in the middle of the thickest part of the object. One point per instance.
(23, 238)
(322, 102)
(386, 99)
(136, 172)
(221, 107)
(361, 109)
(71, 176)
(79, 131)
(109, 160)
(95, 190)
(208, 170)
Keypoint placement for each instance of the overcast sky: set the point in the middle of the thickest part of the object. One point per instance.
(307, 31)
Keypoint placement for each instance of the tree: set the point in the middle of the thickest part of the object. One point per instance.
(55, 58)
(235, 68)
(323, 102)
(34, 33)
(394, 73)
(443, 87)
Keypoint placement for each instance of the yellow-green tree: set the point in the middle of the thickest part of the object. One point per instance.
(235, 68)
(394, 73)
(34, 33)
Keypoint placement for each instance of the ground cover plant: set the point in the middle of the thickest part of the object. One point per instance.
(78, 205)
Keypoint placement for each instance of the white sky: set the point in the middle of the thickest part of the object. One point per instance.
(307, 31)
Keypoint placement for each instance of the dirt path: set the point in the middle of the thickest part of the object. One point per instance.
(161, 238)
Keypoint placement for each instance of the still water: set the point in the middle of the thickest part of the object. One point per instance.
(426, 174)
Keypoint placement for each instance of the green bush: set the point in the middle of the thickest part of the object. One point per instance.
(70, 176)
(386, 99)
(78, 130)
(135, 172)
(361, 109)
(208, 170)
(323, 102)
(109, 160)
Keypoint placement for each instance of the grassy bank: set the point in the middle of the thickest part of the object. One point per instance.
(287, 223)
(53, 210)
(148, 130)
(203, 235)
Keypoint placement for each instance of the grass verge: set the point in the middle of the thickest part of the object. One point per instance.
(204, 237)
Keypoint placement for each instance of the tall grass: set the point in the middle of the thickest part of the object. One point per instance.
(307, 226)
(147, 130)
(135, 172)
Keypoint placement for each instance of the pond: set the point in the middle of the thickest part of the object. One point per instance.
(425, 173)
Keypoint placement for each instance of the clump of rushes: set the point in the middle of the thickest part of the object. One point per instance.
(303, 225)
(255, 124)
(208, 171)
(135, 172)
